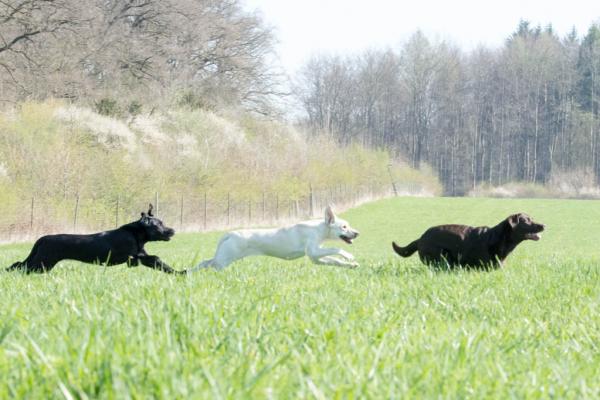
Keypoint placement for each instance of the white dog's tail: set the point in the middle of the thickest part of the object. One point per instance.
(203, 264)
(211, 262)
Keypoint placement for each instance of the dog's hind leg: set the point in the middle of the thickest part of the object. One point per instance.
(218, 263)
(228, 250)
(35, 265)
(29, 264)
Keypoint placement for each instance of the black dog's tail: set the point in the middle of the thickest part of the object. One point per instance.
(16, 265)
(406, 251)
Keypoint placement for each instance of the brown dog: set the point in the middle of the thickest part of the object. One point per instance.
(474, 247)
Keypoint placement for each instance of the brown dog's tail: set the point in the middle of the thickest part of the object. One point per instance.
(406, 251)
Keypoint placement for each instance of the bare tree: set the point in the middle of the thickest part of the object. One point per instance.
(517, 113)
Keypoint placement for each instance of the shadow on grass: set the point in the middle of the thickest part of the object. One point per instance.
(395, 268)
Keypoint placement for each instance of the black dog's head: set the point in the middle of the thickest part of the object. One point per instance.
(154, 228)
(524, 228)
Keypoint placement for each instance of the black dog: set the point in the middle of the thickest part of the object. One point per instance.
(118, 246)
(467, 246)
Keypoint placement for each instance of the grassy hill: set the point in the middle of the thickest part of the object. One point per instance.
(67, 159)
(268, 328)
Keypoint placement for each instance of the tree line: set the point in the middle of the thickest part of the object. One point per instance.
(526, 111)
(521, 112)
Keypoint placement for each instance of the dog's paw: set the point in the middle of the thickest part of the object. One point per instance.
(354, 265)
(347, 256)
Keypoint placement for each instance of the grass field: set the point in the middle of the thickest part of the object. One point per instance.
(265, 328)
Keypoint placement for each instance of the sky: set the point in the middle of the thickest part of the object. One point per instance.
(306, 27)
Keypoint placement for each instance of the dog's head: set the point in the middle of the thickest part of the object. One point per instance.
(154, 228)
(524, 228)
(339, 228)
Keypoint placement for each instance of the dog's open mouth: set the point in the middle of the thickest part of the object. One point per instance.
(168, 235)
(346, 239)
(535, 235)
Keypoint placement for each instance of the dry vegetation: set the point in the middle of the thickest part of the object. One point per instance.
(57, 152)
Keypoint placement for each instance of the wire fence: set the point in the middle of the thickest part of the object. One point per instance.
(185, 212)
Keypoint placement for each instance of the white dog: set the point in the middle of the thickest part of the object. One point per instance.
(288, 243)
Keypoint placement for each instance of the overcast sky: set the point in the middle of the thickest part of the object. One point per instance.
(304, 27)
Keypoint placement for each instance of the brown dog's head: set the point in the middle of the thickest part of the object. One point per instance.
(524, 228)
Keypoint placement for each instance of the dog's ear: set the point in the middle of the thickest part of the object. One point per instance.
(513, 220)
(329, 215)
(150, 208)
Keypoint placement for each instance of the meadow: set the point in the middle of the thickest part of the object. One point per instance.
(266, 328)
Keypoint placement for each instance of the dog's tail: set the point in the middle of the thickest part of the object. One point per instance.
(406, 251)
(17, 265)
(203, 264)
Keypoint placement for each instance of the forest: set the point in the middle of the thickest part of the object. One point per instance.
(526, 111)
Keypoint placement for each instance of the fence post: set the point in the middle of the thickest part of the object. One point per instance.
(204, 210)
(392, 180)
(181, 213)
(249, 211)
(277, 207)
(311, 199)
(31, 215)
(76, 212)
(263, 206)
(156, 202)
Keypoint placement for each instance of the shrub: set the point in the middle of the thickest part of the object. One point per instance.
(63, 151)
(134, 108)
(107, 107)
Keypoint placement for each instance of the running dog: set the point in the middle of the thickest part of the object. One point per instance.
(118, 246)
(287, 243)
(472, 247)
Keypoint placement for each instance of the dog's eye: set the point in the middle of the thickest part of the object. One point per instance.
(344, 227)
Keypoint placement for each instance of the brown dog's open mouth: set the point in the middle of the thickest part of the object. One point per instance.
(534, 236)
(346, 239)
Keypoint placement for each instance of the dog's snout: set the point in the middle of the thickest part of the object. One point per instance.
(356, 233)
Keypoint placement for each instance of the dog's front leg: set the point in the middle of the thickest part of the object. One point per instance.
(328, 260)
(156, 263)
(133, 261)
(316, 251)
(345, 254)
(320, 255)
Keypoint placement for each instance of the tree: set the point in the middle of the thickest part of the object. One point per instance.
(589, 87)
(210, 53)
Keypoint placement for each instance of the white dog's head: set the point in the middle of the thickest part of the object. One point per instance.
(339, 228)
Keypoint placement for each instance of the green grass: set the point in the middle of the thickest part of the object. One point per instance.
(265, 328)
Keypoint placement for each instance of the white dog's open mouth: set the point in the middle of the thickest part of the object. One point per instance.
(346, 239)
